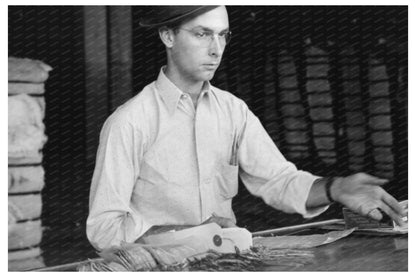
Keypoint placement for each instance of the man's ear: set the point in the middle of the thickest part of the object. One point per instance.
(167, 36)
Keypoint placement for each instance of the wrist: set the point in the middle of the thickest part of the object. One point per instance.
(328, 185)
(335, 188)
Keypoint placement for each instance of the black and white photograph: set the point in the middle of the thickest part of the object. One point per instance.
(208, 138)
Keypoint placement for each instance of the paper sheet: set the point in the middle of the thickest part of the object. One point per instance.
(307, 241)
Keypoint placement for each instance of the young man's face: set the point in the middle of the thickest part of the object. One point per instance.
(194, 58)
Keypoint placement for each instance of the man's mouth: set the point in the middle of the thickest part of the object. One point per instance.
(211, 66)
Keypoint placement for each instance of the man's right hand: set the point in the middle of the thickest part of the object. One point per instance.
(222, 221)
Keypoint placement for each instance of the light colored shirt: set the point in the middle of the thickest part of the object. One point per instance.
(161, 161)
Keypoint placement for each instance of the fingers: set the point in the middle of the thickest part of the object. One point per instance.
(393, 204)
(374, 214)
(384, 203)
(393, 215)
(223, 222)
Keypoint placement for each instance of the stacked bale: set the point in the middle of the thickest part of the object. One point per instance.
(320, 101)
(368, 112)
(292, 109)
(26, 138)
(380, 121)
(366, 122)
(317, 106)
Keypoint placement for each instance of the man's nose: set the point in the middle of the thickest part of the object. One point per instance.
(216, 48)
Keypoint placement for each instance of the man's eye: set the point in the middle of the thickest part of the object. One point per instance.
(202, 34)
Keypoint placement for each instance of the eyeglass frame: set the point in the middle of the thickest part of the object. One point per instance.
(211, 35)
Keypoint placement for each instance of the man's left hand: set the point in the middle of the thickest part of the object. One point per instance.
(362, 193)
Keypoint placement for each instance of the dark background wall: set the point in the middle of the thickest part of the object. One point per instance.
(328, 83)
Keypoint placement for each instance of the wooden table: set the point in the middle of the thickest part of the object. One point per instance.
(353, 253)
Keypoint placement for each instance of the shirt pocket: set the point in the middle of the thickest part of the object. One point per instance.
(227, 181)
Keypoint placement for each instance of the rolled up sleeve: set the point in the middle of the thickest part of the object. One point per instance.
(111, 218)
(267, 174)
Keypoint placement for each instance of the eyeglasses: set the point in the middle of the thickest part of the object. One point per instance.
(206, 37)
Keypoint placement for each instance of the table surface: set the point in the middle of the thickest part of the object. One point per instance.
(353, 253)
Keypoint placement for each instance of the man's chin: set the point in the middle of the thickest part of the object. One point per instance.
(204, 76)
(207, 76)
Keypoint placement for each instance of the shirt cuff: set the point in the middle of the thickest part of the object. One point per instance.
(309, 180)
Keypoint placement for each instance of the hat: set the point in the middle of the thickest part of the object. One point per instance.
(157, 16)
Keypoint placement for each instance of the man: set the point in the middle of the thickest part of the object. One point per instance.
(172, 154)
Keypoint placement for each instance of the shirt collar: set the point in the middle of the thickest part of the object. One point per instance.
(170, 93)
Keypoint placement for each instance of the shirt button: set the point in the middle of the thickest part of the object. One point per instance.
(207, 180)
(184, 96)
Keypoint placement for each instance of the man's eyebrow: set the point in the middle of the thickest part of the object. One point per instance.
(210, 30)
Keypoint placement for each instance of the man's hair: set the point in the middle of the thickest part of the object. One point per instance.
(175, 26)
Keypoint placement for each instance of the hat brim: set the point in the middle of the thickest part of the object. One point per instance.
(188, 15)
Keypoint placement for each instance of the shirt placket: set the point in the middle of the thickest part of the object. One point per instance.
(203, 136)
